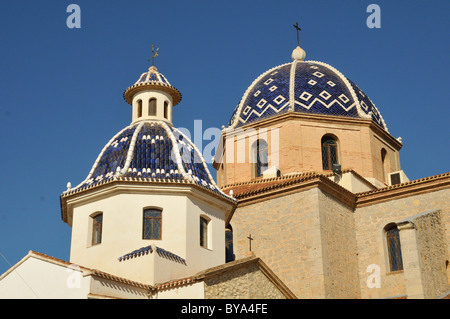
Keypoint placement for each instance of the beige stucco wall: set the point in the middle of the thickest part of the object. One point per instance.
(145, 96)
(37, 279)
(122, 209)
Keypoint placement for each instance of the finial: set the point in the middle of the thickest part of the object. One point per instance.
(298, 53)
(69, 186)
(154, 54)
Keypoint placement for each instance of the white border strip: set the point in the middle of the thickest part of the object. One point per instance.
(131, 148)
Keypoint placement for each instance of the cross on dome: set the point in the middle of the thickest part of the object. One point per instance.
(298, 29)
(298, 54)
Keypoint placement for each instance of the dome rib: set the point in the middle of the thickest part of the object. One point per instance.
(131, 149)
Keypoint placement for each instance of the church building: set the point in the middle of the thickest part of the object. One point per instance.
(310, 201)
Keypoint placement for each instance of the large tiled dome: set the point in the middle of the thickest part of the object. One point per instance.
(306, 87)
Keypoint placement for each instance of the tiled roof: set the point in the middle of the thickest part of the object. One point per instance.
(150, 249)
(152, 79)
(255, 189)
(87, 271)
(241, 190)
(307, 87)
(150, 151)
(405, 185)
(229, 267)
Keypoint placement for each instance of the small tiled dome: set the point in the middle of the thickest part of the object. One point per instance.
(154, 80)
(154, 151)
(306, 87)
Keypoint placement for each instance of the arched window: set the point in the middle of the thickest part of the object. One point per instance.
(166, 109)
(139, 108)
(152, 107)
(151, 224)
(260, 157)
(394, 248)
(97, 226)
(204, 231)
(329, 152)
(229, 253)
(384, 163)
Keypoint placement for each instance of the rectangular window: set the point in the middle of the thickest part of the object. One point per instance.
(152, 224)
(97, 225)
(152, 107)
(203, 232)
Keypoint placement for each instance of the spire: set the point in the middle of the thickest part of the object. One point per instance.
(298, 53)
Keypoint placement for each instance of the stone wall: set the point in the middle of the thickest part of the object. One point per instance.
(370, 222)
(246, 282)
(433, 253)
(339, 248)
(287, 237)
(307, 238)
(322, 248)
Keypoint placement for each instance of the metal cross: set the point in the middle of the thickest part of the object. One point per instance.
(154, 54)
(298, 29)
(249, 237)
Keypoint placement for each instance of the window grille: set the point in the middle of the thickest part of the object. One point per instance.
(152, 224)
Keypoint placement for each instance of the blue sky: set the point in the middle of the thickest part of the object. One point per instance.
(62, 88)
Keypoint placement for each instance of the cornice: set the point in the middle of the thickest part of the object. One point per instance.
(248, 193)
(140, 185)
(132, 90)
(415, 187)
(292, 115)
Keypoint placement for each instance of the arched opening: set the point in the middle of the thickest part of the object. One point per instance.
(384, 164)
(166, 110)
(394, 248)
(97, 227)
(229, 251)
(139, 108)
(204, 225)
(152, 107)
(259, 157)
(329, 152)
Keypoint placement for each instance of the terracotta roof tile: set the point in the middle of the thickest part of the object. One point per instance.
(255, 186)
